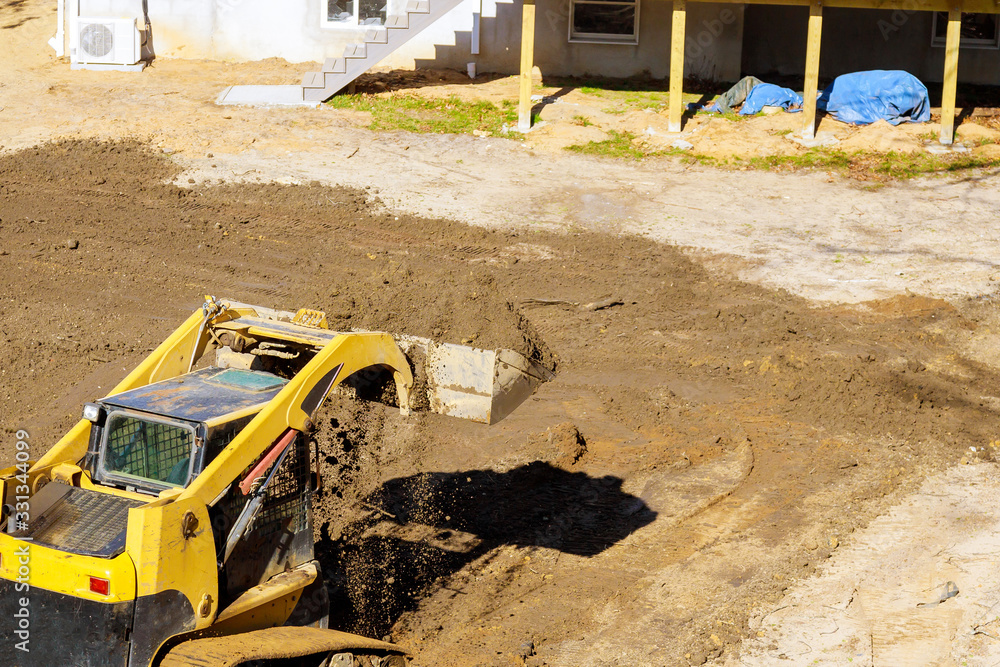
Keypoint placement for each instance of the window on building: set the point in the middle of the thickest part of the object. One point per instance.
(340, 12)
(356, 12)
(604, 21)
(979, 31)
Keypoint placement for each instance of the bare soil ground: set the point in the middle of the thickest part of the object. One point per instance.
(800, 358)
(700, 447)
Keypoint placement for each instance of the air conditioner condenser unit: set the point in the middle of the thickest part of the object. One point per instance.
(107, 43)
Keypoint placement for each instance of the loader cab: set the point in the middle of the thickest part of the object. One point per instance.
(162, 435)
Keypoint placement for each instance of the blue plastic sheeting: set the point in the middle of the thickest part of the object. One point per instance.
(770, 95)
(861, 98)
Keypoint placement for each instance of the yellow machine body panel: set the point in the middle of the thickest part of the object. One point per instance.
(269, 604)
(66, 573)
(172, 546)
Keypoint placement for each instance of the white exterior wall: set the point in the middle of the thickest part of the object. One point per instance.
(242, 30)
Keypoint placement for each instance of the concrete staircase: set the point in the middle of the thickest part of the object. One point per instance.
(378, 42)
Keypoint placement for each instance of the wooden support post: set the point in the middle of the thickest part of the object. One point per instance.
(527, 63)
(950, 87)
(812, 69)
(677, 65)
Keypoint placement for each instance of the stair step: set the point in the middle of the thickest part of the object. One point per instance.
(355, 51)
(315, 94)
(313, 80)
(335, 65)
(320, 80)
(358, 57)
(377, 36)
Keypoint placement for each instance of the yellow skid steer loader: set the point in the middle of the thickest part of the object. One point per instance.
(172, 526)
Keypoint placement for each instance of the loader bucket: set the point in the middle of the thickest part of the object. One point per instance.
(480, 385)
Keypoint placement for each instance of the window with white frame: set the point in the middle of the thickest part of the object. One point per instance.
(979, 31)
(356, 12)
(604, 21)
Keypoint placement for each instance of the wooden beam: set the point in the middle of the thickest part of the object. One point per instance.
(527, 63)
(812, 69)
(677, 65)
(950, 87)
(968, 6)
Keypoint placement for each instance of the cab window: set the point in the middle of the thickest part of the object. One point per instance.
(147, 449)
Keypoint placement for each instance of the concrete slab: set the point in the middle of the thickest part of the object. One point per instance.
(105, 67)
(944, 149)
(265, 96)
(821, 139)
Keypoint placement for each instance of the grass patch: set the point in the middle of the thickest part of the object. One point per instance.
(812, 159)
(449, 115)
(617, 145)
(622, 145)
(865, 166)
(911, 165)
(731, 116)
(699, 158)
(877, 168)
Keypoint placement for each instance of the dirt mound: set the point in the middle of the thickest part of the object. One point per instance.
(369, 286)
(368, 276)
(73, 165)
(883, 137)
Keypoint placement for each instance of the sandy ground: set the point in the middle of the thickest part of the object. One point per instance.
(808, 233)
(753, 452)
(893, 597)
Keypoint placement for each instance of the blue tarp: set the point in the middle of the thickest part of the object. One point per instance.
(770, 95)
(861, 98)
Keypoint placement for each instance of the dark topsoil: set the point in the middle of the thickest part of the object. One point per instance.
(425, 523)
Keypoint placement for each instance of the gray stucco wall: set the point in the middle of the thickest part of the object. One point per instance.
(855, 40)
(714, 34)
